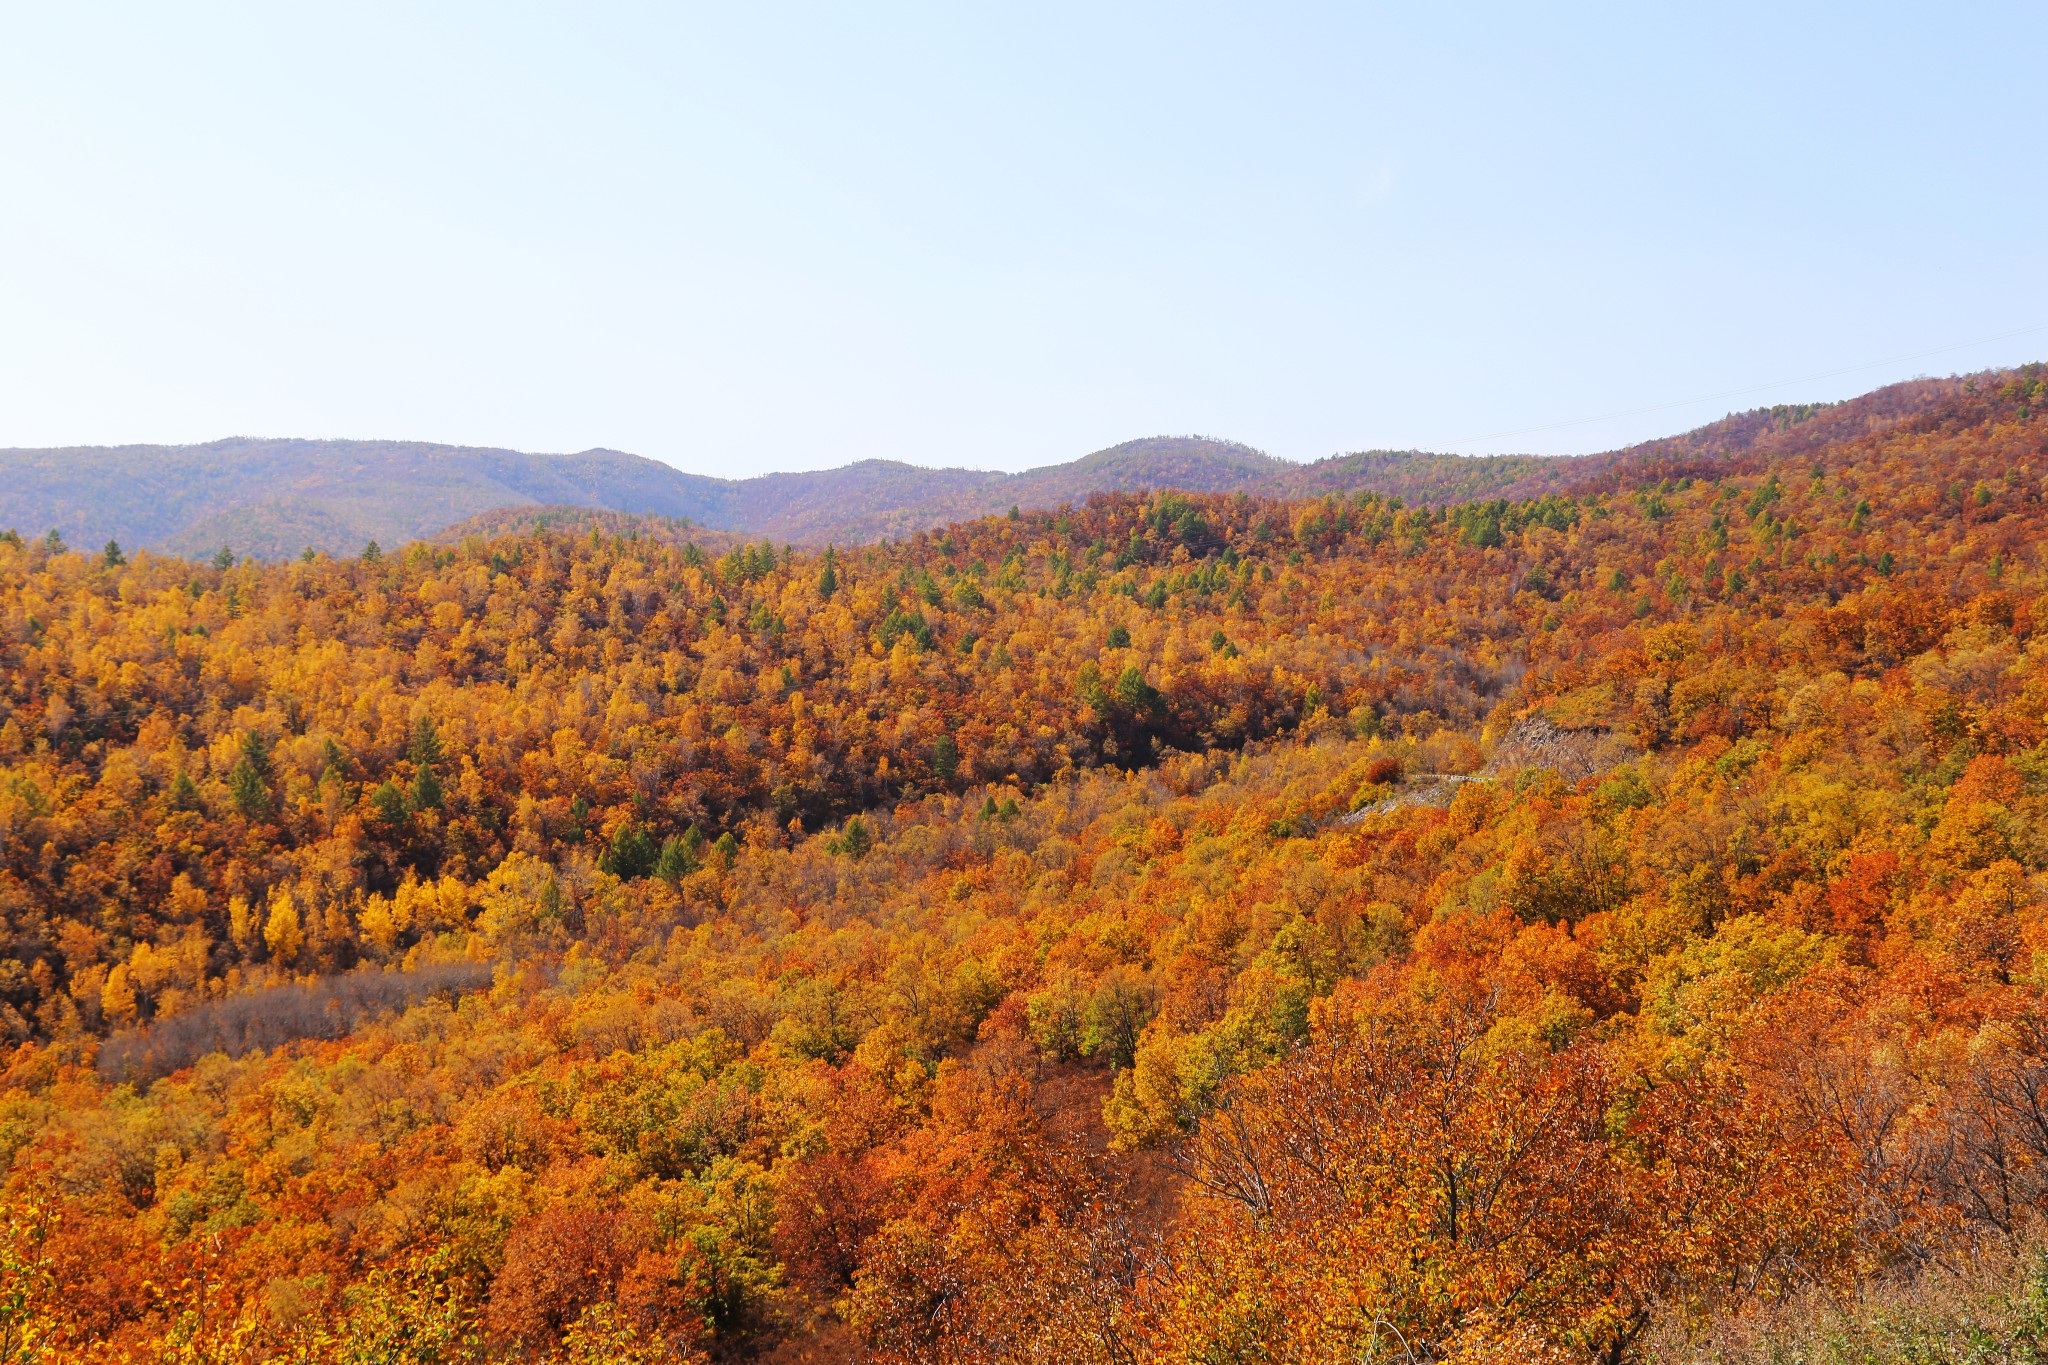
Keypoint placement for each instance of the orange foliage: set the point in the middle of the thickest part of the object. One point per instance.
(1173, 928)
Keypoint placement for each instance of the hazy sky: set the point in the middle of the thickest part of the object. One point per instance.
(744, 237)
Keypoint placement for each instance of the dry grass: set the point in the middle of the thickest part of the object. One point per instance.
(1991, 1306)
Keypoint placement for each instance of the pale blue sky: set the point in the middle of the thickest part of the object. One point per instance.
(748, 237)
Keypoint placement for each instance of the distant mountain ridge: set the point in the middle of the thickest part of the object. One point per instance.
(878, 498)
(274, 497)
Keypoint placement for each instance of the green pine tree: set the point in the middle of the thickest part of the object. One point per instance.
(676, 861)
(632, 854)
(424, 748)
(854, 839)
(249, 779)
(389, 803)
(247, 790)
(426, 789)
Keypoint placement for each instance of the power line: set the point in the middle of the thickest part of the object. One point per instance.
(1753, 388)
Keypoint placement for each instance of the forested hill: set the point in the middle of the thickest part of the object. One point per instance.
(1603, 926)
(274, 498)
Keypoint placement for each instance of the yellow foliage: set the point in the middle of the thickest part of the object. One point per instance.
(282, 933)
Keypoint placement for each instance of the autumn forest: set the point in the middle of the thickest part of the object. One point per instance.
(1597, 918)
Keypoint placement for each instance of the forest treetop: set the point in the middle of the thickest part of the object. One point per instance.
(593, 941)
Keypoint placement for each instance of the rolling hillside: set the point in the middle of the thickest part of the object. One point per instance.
(273, 498)
(1121, 929)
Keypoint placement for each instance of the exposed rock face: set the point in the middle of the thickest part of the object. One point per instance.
(1536, 742)
(1533, 742)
